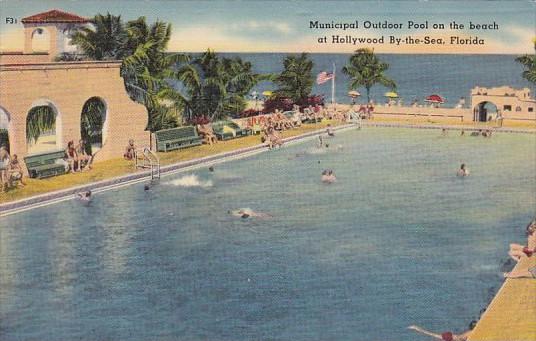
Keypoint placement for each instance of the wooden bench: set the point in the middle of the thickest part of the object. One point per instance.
(222, 134)
(177, 138)
(44, 165)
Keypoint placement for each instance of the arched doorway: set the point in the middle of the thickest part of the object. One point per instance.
(43, 128)
(485, 111)
(93, 124)
(40, 40)
(4, 129)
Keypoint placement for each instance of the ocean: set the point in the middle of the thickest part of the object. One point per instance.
(416, 75)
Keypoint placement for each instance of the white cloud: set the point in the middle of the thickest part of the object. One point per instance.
(268, 26)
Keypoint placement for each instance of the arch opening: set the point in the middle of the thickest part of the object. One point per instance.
(485, 111)
(43, 129)
(93, 124)
(4, 129)
(40, 40)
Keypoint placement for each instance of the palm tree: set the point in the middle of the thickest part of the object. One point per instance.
(211, 86)
(104, 41)
(365, 69)
(296, 80)
(147, 68)
(529, 62)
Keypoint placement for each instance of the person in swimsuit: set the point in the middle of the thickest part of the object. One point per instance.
(526, 273)
(445, 336)
(72, 157)
(518, 251)
(463, 171)
(329, 131)
(84, 159)
(84, 196)
(5, 161)
(15, 171)
(130, 151)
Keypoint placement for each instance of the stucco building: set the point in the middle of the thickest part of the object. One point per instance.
(504, 102)
(32, 78)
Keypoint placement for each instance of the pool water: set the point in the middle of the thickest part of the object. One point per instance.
(397, 240)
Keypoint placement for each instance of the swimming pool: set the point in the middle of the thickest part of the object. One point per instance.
(397, 240)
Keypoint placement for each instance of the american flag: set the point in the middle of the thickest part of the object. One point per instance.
(324, 77)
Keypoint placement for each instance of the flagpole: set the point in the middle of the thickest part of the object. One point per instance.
(333, 88)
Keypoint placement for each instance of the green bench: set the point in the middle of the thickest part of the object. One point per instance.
(177, 138)
(44, 165)
(222, 134)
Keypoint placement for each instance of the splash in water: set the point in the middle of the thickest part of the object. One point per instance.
(190, 180)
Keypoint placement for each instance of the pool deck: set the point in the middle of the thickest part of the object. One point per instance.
(511, 316)
(144, 176)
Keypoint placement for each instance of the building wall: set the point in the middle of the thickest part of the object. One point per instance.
(20, 58)
(66, 87)
(523, 107)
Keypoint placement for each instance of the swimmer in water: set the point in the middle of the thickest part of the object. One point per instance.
(211, 169)
(463, 171)
(320, 141)
(84, 196)
(329, 131)
(328, 176)
(146, 187)
(245, 213)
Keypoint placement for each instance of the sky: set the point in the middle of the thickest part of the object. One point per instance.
(284, 26)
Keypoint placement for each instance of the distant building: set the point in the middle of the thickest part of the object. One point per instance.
(31, 79)
(502, 102)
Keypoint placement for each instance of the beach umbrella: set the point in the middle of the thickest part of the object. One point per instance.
(435, 99)
(267, 93)
(353, 95)
(391, 94)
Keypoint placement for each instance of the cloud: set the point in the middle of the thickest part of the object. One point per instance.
(267, 26)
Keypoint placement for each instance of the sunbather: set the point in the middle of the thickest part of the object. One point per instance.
(525, 273)
(84, 159)
(15, 171)
(4, 168)
(71, 156)
(518, 251)
(130, 151)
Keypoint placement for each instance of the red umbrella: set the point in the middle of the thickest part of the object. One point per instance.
(435, 99)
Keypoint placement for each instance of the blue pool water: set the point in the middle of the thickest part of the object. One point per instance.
(398, 240)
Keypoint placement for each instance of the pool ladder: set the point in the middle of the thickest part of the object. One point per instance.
(148, 159)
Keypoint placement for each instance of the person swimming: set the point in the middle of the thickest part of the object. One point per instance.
(328, 176)
(463, 171)
(84, 196)
(329, 131)
(211, 169)
(320, 141)
(245, 213)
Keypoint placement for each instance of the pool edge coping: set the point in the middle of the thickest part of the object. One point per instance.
(50, 198)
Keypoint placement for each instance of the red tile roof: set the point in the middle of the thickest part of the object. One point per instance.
(54, 16)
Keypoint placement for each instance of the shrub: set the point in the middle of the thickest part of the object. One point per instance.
(281, 103)
(249, 113)
(200, 120)
(311, 100)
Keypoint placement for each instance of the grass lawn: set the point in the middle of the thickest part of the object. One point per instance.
(116, 167)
